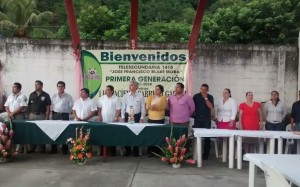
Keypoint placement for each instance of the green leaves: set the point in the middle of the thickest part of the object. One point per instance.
(21, 18)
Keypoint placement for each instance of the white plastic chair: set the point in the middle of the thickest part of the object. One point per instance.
(273, 178)
(214, 126)
(289, 142)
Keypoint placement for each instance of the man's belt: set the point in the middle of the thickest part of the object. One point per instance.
(38, 113)
(60, 113)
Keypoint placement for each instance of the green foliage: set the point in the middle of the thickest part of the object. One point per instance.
(258, 21)
(164, 32)
(22, 19)
(225, 21)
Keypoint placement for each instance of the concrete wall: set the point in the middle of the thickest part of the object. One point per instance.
(241, 68)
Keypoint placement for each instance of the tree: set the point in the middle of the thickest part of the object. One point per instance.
(22, 19)
(94, 21)
(257, 21)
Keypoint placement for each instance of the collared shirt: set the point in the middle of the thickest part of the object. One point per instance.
(108, 106)
(16, 101)
(202, 112)
(181, 108)
(226, 111)
(137, 101)
(274, 114)
(62, 104)
(39, 103)
(84, 107)
(296, 112)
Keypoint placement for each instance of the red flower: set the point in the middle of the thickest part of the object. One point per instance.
(175, 154)
(3, 126)
(1, 147)
(178, 143)
(89, 155)
(170, 148)
(11, 132)
(181, 159)
(183, 138)
(182, 152)
(79, 147)
(5, 154)
(172, 160)
(164, 159)
(191, 161)
(168, 140)
(3, 137)
(80, 155)
(176, 149)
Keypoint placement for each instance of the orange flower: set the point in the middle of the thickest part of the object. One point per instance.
(80, 155)
(89, 155)
(79, 147)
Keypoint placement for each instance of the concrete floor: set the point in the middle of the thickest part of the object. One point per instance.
(37, 170)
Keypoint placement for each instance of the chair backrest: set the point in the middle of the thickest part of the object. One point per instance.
(289, 128)
(213, 124)
(273, 178)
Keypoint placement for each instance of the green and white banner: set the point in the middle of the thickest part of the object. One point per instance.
(118, 67)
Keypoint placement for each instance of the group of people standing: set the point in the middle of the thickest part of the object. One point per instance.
(180, 105)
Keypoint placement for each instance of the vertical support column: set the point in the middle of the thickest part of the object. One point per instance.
(73, 24)
(134, 24)
(76, 42)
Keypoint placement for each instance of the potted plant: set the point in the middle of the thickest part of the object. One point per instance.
(80, 150)
(175, 152)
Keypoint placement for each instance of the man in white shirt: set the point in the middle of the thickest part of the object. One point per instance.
(136, 101)
(109, 109)
(62, 104)
(109, 106)
(15, 104)
(84, 108)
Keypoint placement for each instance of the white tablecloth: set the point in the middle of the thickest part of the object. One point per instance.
(287, 165)
(136, 128)
(53, 128)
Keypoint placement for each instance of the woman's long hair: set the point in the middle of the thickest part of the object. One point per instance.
(276, 102)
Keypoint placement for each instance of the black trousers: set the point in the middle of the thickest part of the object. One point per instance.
(137, 118)
(60, 116)
(204, 123)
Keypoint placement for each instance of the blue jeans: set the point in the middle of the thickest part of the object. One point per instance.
(275, 126)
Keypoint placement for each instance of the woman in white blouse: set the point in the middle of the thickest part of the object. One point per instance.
(226, 111)
(274, 111)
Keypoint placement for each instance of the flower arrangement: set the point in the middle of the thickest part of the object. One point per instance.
(175, 153)
(6, 150)
(80, 150)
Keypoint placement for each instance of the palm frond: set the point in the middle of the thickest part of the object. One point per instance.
(3, 16)
(6, 24)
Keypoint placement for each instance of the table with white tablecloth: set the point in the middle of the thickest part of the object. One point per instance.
(200, 133)
(286, 165)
